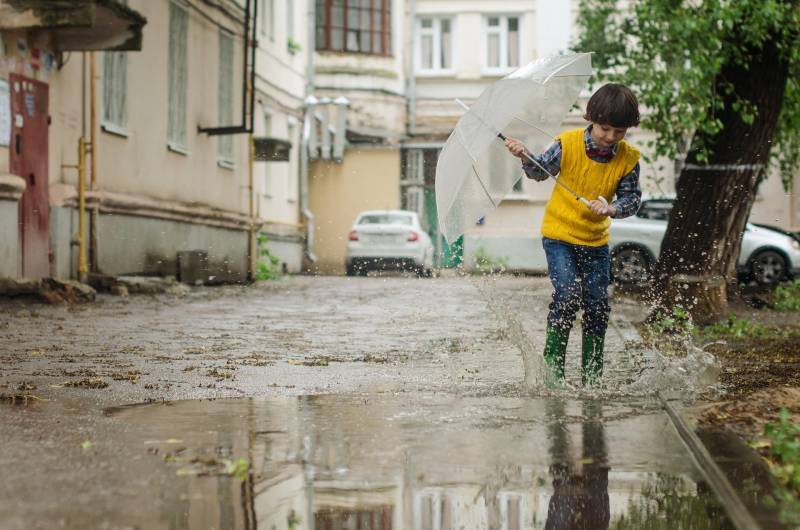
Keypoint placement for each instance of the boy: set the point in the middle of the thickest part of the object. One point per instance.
(593, 162)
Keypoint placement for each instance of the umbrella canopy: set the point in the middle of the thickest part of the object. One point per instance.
(475, 171)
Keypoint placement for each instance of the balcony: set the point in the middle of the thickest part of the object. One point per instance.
(76, 25)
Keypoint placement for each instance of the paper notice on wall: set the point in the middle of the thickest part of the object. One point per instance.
(5, 114)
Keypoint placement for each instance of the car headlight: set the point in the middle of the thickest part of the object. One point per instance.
(795, 244)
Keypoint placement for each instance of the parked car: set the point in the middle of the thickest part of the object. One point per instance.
(767, 255)
(388, 239)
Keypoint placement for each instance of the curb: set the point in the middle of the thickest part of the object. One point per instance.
(735, 509)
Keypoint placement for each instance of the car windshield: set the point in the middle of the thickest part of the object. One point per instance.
(386, 219)
(655, 210)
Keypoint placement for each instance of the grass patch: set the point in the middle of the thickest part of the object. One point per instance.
(783, 455)
(787, 296)
(739, 328)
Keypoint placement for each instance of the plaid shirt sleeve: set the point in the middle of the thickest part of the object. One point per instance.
(550, 160)
(629, 195)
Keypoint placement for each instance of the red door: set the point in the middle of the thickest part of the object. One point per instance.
(29, 160)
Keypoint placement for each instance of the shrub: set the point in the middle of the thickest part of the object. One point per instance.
(787, 296)
(268, 266)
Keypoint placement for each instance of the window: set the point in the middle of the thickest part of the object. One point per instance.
(178, 72)
(268, 19)
(510, 508)
(501, 43)
(360, 26)
(225, 98)
(290, 19)
(433, 508)
(386, 219)
(434, 44)
(292, 182)
(115, 91)
(267, 176)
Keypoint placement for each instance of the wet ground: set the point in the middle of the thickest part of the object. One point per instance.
(363, 403)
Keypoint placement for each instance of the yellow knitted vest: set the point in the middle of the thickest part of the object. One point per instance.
(568, 219)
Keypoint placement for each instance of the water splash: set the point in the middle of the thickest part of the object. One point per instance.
(685, 369)
(537, 375)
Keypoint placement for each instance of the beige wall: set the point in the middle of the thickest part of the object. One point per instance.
(368, 178)
(775, 206)
(139, 163)
(280, 82)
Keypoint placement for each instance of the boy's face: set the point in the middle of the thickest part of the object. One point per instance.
(606, 135)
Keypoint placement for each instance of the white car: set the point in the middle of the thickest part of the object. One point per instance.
(767, 255)
(388, 239)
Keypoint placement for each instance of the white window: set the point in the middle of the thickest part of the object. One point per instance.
(268, 18)
(115, 91)
(293, 183)
(501, 43)
(433, 510)
(511, 511)
(290, 19)
(225, 98)
(178, 72)
(434, 44)
(267, 175)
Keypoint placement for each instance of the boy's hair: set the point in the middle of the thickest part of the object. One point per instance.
(615, 105)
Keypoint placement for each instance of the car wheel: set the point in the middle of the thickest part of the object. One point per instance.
(768, 267)
(630, 266)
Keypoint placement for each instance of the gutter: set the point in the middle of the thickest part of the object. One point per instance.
(411, 81)
(308, 121)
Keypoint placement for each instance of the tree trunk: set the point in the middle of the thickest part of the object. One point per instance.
(714, 198)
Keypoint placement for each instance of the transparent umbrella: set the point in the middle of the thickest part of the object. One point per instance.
(475, 171)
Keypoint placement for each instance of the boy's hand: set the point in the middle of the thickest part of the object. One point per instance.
(600, 206)
(516, 148)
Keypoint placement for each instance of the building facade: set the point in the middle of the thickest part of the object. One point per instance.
(158, 184)
(348, 105)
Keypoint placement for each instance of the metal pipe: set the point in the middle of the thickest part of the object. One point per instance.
(93, 159)
(251, 234)
(82, 269)
(249, 78)
(305, 135)
(412, 80)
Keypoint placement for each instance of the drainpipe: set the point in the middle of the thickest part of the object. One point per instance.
(93, 160)
(82, 269)
(252, 258)
(308, 217)
(411, 81)
(308, 121)
(341, 103)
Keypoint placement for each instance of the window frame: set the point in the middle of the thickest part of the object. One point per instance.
(324, 30)
(267, 121)
(436, 33)
(503, 67)
(267, 19)
(177, 98)
(115, 85)
(225, 98)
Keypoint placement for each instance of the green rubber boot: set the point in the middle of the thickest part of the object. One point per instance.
(555, 352)
(592, 359)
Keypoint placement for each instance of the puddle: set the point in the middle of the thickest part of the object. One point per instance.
(423, 463)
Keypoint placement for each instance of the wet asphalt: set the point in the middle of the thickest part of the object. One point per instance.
(378, 402)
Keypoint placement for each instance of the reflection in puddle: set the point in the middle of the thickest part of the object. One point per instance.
(427, 463)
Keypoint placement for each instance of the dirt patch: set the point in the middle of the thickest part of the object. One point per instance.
(89, 382)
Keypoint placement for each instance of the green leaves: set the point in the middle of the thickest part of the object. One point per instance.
(784, 456)
(671, 52)
(787, 296)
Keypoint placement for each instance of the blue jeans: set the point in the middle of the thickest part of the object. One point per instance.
(580, 276)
